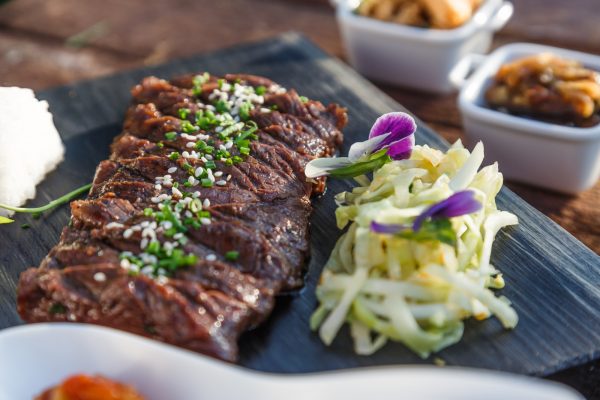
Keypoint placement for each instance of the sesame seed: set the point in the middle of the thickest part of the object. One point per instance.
(198, 171)
(167, 225)
(229, 177)
(205, 221)
(206, 203)
(228, 145)
(177, 192)
(155, 200)
(100, 277)
(147, 270)
(144, 243)
(222, 147)
(172, 170)
(127, 234)
(196, 194)
(158, 186)
(221, 182)
(211, 257)
(189, 145)
(125, 263)
(218, 173)
(145, 224)
(111, 225)
(208, 156)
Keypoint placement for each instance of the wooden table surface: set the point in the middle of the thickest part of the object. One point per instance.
(45, 43)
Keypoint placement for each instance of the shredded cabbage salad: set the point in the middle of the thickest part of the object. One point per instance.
(411, 290)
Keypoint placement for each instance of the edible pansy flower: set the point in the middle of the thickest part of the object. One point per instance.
(391, 138)
(434, 222)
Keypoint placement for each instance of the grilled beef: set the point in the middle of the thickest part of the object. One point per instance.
(198, 219)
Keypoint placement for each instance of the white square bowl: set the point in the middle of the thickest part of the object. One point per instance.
(563, 158)
(415, 57)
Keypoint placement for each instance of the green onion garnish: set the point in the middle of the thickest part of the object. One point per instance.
(222, 106)
(171, 135)
(183, 113)
(232, 255)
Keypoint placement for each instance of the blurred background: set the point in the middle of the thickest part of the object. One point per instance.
(44, 43)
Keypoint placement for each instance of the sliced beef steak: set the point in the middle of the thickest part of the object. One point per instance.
(198, 219)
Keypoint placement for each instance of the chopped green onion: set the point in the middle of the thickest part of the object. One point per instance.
(244, 150)
(222, 106)
(304, 99)
(260, 90)
(245, 111)
(210, 164)
(174, 156)
(232, 255)
(207, 183)
(188, 127)
(171, 136)
(183, 113)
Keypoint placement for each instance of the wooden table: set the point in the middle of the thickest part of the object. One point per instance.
(51, 42)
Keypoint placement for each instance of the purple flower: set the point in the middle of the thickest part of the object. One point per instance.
(389, 229)
(460, 203)
(399, 129)
(392, 132)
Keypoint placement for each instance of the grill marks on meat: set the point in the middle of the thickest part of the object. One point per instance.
(263, 213)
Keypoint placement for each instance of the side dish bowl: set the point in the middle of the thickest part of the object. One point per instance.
(415, 57)
(35, 357)
(563, 158)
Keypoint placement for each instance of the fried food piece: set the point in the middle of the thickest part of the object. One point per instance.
(84, 387)
(548, 86)
(438, 14)
(448, 14)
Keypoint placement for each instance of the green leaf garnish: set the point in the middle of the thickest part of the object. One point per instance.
(5, 220)
(375, 161)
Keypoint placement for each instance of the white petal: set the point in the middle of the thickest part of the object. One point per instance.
(321, 166)
(359, 149)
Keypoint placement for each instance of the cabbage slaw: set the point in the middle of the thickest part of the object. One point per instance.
(414, 292)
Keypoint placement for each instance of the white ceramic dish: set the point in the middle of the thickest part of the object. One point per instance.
(34, 357)
(562, 158)
(416, 57)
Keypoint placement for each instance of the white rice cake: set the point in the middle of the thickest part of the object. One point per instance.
(30, 146)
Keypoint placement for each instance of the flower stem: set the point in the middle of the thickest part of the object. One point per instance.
(54, 203)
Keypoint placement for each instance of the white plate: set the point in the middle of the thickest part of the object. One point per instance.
(415, 57)
(34, 357)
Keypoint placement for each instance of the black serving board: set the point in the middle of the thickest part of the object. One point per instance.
(552, 279)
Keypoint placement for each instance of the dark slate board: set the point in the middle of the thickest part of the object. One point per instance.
(553, 280)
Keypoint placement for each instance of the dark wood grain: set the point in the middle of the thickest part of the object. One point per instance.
(553, 279)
